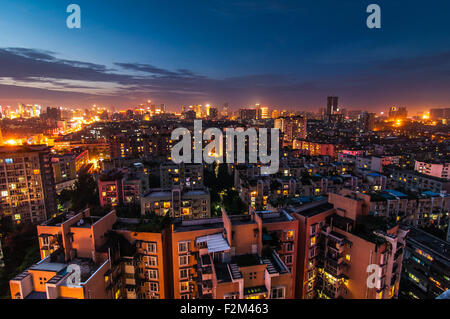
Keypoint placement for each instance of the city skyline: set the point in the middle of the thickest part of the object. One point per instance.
(282, 54)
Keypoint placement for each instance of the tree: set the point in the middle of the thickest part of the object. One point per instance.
(85, 192)
(233, 203)
(21, 250)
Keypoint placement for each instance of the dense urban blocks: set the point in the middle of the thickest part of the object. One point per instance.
(348, 215)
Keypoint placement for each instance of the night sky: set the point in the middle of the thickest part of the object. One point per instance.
(290, 54)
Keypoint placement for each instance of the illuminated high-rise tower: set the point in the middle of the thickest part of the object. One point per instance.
(225, 110)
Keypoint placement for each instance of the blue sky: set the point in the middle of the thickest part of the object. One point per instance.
(290, 54)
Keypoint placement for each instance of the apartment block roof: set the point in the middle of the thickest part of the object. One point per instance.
(430, 242)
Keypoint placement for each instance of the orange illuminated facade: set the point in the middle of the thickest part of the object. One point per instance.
(318, 250)
(339, 243)
(227, 258)
(315, 149)
(88, 257)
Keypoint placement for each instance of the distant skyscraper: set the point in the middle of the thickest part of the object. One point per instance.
(265, 112)
(292, 127)
(275, 114)
(213, 113)
(198, 110)
(248, 114)
(439, 114)
(332, 105)
(397, 113)
(367, 121)
(332, 109)
(54, 113)
(225, 110)
(258, 111)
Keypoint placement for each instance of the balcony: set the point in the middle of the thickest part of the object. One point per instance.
(335, 258)
(206, 273)
(206, 287)
(336, 246)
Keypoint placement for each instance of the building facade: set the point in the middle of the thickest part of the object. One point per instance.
(27, 185)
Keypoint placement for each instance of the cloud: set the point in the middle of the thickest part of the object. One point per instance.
(439, 61)
(39, 76)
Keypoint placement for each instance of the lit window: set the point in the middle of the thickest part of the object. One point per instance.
(290, 235)
(4, 193)
(184, 286)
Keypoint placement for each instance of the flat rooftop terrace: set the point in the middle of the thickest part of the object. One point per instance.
(312, 209)
(87, 266)
(197, 224)
(274, 217)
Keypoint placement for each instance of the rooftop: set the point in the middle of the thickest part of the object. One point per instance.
(197, 224)
(415, 173)
(367, 225)
(430, 242)
(246, 260)
(274, 217)
(152, 223)
(242, 219)
(314, 208)
(55, 263)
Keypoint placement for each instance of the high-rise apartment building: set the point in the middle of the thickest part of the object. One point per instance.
(294, 127)
(332, 105)
(64, 167)
(426, 266)
(397, 113)
(225, 110)
(366, 121)
(27, 185)
(338, 243)
(248, 114)
(440, 114)
(188, 176)
(265, 112)
(124, 186)
(234, 257)
(177, 202)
